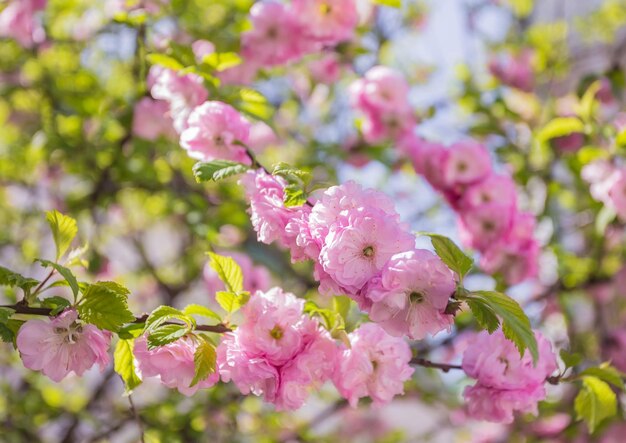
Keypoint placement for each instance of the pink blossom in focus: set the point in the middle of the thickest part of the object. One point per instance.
(276, 36)
(151, 120)
(411, 295)
(255, 278)
(182, 92)
(62, 345)
(505, 383)
(277, 352)
(376, 365)
(327, 21)
(202, 48)
(173, 364)
(18, 21)
(212, 132)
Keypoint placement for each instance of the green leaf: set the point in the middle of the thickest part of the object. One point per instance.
(166, 334)
(606, 373)
(201, 310)
(570, 359)
(595, 402)
(64, 230)
(228, 271)
(290, 172)
(104, 304)
(515, 324)
(124, 364)
(255, 104)
(9, 330)
(56, 303)
(232, 301)
(205, 359)
(222, 60)
(341, 305)
(484, 315)
(294, 196)
(65, 273)
(164, 60)
(13, 279)
(217, 170)
(588, 102)
(450, 254)
(5, 315)
(560, 127)
(163, 314)
(130, 331)
(390, 3)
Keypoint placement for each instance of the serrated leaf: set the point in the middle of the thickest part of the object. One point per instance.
(231, 301)
(104, 304)
(166, 334)
(217, 170)
(294, 196)
(290, 172)
(606, 373)
(5, 315)
(515, 324)
(560, 127)
(13, 279)
(222, 60)
(205, 359)
(164, 60)
(484, 315)
(64, 229)
(450, 254)
(6, 334)
(570, 359)
(201, 310)
(228, 271)
(163, 314)
(124, 364)
(130, 331)
(595, 402)
(56, 303)
(65, 273)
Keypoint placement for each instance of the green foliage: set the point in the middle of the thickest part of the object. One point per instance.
(297, 180)
(205, 359)
(228, 271)
(217, 170)
(165, 61)
(68, 275)
(166, 325)
(13, 279)
(570, 359)
(124, 364)
(232, 301)
(56, 303)
(390, 3)
(560, 127)
(201, 310)
(104, 304)
(6, 333)
(64, 229)
(450, 254)
(595, 402)
(490, 308)
(222, 60)
(167, 334)
(606, 373)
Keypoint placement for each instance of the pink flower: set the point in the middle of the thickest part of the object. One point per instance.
(496, 188)
(202, 48)
(261, 136)
(173, 364)
(485, 224)
(428, 159)
(467, 162)
(277, 351)
(614, 348)
(327, 69)
(62, 345)
(515, 260)
(276, 36)
(505, 382)
(268, 213)
(376, 365)
(327, 21)
(411, 295)
(569, 143)
(182, 92)
(255, 278)
(617, 193)
(18, 21)
(241, 74)
(514, 70)
(151, 120)
(212, 132)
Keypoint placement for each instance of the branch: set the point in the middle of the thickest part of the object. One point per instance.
(429, 364)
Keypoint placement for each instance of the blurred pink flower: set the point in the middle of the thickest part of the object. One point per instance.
(202, 48)
(151, 120)
(62, 345)
(327, 21)
(18, 21)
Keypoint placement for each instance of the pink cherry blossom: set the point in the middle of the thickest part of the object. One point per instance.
(326, 70)
(18, 21)
(183, 92)
(151, 120)
(467, 162)
(62, 345)
(277, 351)
(514, 70)
(496, 188)
(482, 225)
(411, 295)
(213, 131)
(375, 365)
(617, 193)
(261, 136)
(276, 36)
(505, 382)
(173, 364)
(202, 48)
(428, 159)
(327, 21)
(255, 278)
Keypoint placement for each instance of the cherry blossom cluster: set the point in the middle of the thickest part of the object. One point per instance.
(607, 185)
(489, 217)
(504, 382)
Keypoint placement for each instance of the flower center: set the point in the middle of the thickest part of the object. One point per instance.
(368, 251)
(271, 33)
(461, 167)
(325, 9)
(416, 297)
(276, 333)
(71, 334)
(488, 225)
